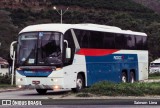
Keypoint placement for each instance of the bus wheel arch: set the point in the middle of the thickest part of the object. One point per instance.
(124, 77)
(80, 82)
(132, 76)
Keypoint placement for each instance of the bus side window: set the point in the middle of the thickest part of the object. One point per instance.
(141, 42)
(130, 42)
(109, 41)
(82, 37)
(96, 38)
(124, 41)
(85, 39)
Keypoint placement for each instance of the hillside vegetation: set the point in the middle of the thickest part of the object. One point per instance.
(152, 4)
(125, 14)
(7, 32)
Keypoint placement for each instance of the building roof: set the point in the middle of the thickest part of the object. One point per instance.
(3, 61)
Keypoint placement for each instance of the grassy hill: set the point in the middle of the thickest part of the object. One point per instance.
(152, 4)
(125, 14)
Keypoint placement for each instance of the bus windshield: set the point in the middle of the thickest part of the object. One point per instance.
(39, 48)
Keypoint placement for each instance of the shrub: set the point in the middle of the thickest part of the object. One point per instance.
(5, 79)
(124, 89)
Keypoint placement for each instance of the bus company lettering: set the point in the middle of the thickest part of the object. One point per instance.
(118, 57)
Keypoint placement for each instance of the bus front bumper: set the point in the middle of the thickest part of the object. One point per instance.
(40, 83)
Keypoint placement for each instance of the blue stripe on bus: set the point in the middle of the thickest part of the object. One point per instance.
(110, 67)
(30, 73)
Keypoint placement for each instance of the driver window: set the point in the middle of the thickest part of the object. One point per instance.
(69, 38)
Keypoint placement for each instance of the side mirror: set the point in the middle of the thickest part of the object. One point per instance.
(68, 53)
(68, 50)
(12, 49)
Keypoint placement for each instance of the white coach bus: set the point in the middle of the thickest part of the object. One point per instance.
(73, 56)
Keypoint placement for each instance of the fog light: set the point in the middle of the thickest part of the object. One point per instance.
(20, 86)
(20, 79)
(56, 87)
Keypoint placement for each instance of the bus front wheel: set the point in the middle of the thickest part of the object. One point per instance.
(79, 83)
(41, 91)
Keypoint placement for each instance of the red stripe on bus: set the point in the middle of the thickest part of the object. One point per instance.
(95, 52)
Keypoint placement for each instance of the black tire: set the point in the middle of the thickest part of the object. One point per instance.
(132, 77)
(79, 83)
(124, 77)
(41, 91)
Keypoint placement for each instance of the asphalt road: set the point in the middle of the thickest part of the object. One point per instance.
(30, 94)
(82, 106)
(68, 100)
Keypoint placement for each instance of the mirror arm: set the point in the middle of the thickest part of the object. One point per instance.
(66, 42)
(68, 50)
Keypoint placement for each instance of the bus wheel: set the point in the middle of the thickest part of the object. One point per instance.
(132, 77)
(41, 91)
(124, 77)
(79, 83)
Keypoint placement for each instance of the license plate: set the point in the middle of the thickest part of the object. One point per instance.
(36, 82)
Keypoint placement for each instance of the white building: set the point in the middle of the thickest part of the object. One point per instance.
(3, 66)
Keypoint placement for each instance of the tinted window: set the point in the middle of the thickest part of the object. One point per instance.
(96, 39)
(130, 42)
(141, 42)
(120, 41)
(83, 38)
(108, 41)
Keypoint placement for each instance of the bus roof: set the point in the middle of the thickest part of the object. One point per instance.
(64, 27)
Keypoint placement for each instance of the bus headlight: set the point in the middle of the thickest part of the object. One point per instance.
(57, 69)
(56, 87)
